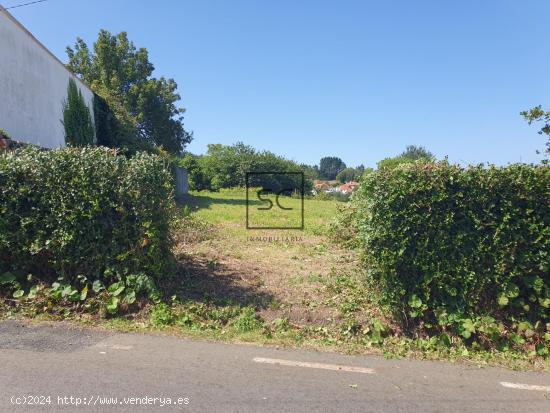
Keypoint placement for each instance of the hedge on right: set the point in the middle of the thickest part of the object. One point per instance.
(461, 249)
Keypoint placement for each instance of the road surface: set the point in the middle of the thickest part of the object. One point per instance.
(55, 368)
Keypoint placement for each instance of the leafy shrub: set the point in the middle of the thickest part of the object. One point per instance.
(460, 248)
(84, 214)
(248, 321)
(161, 315)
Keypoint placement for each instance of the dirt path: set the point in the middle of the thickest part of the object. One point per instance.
(283, 274)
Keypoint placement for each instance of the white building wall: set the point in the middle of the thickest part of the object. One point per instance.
(33, 86)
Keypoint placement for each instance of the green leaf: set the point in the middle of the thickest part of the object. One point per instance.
(67, 291)
(445, 340)
(466, 334)
(74, 295)
(524, 325)
(116, 288)
(32, 292)
(542, 349)
(97, 286)
(18, 294)
(415, 301)
(512, 290)
(503, 300)
(84, 293)
(468, 328)
(129, 297)
(112, 305)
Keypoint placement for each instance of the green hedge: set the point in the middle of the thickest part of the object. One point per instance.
(449, 244)
(83, 212)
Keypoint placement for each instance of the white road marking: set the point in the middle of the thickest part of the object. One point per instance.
(121, 347)
(116, 346)
(335, 367)
(522, 386)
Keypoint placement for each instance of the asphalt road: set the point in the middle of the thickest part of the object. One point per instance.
(60, 369)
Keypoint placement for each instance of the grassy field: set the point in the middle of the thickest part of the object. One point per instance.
(228, 209)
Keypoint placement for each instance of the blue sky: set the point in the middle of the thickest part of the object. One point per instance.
(354, 79)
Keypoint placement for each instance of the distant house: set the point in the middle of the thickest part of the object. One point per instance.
(348, 187)
(33, 87)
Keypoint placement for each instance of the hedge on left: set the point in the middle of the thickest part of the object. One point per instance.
(76, 218)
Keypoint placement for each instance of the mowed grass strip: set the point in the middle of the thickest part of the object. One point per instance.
(228, 209)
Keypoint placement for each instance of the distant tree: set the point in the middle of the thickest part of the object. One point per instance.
(411, 154)
(119, 73)
(538, 115)
(352, 174)
(417, 153)
(77, 120)
(312, 172)
(330, 166)
(226, 166)
(348, 174)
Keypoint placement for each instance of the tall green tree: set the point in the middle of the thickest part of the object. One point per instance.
(123, 76)
(537, 114)
(330, 166)
(77, 120)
